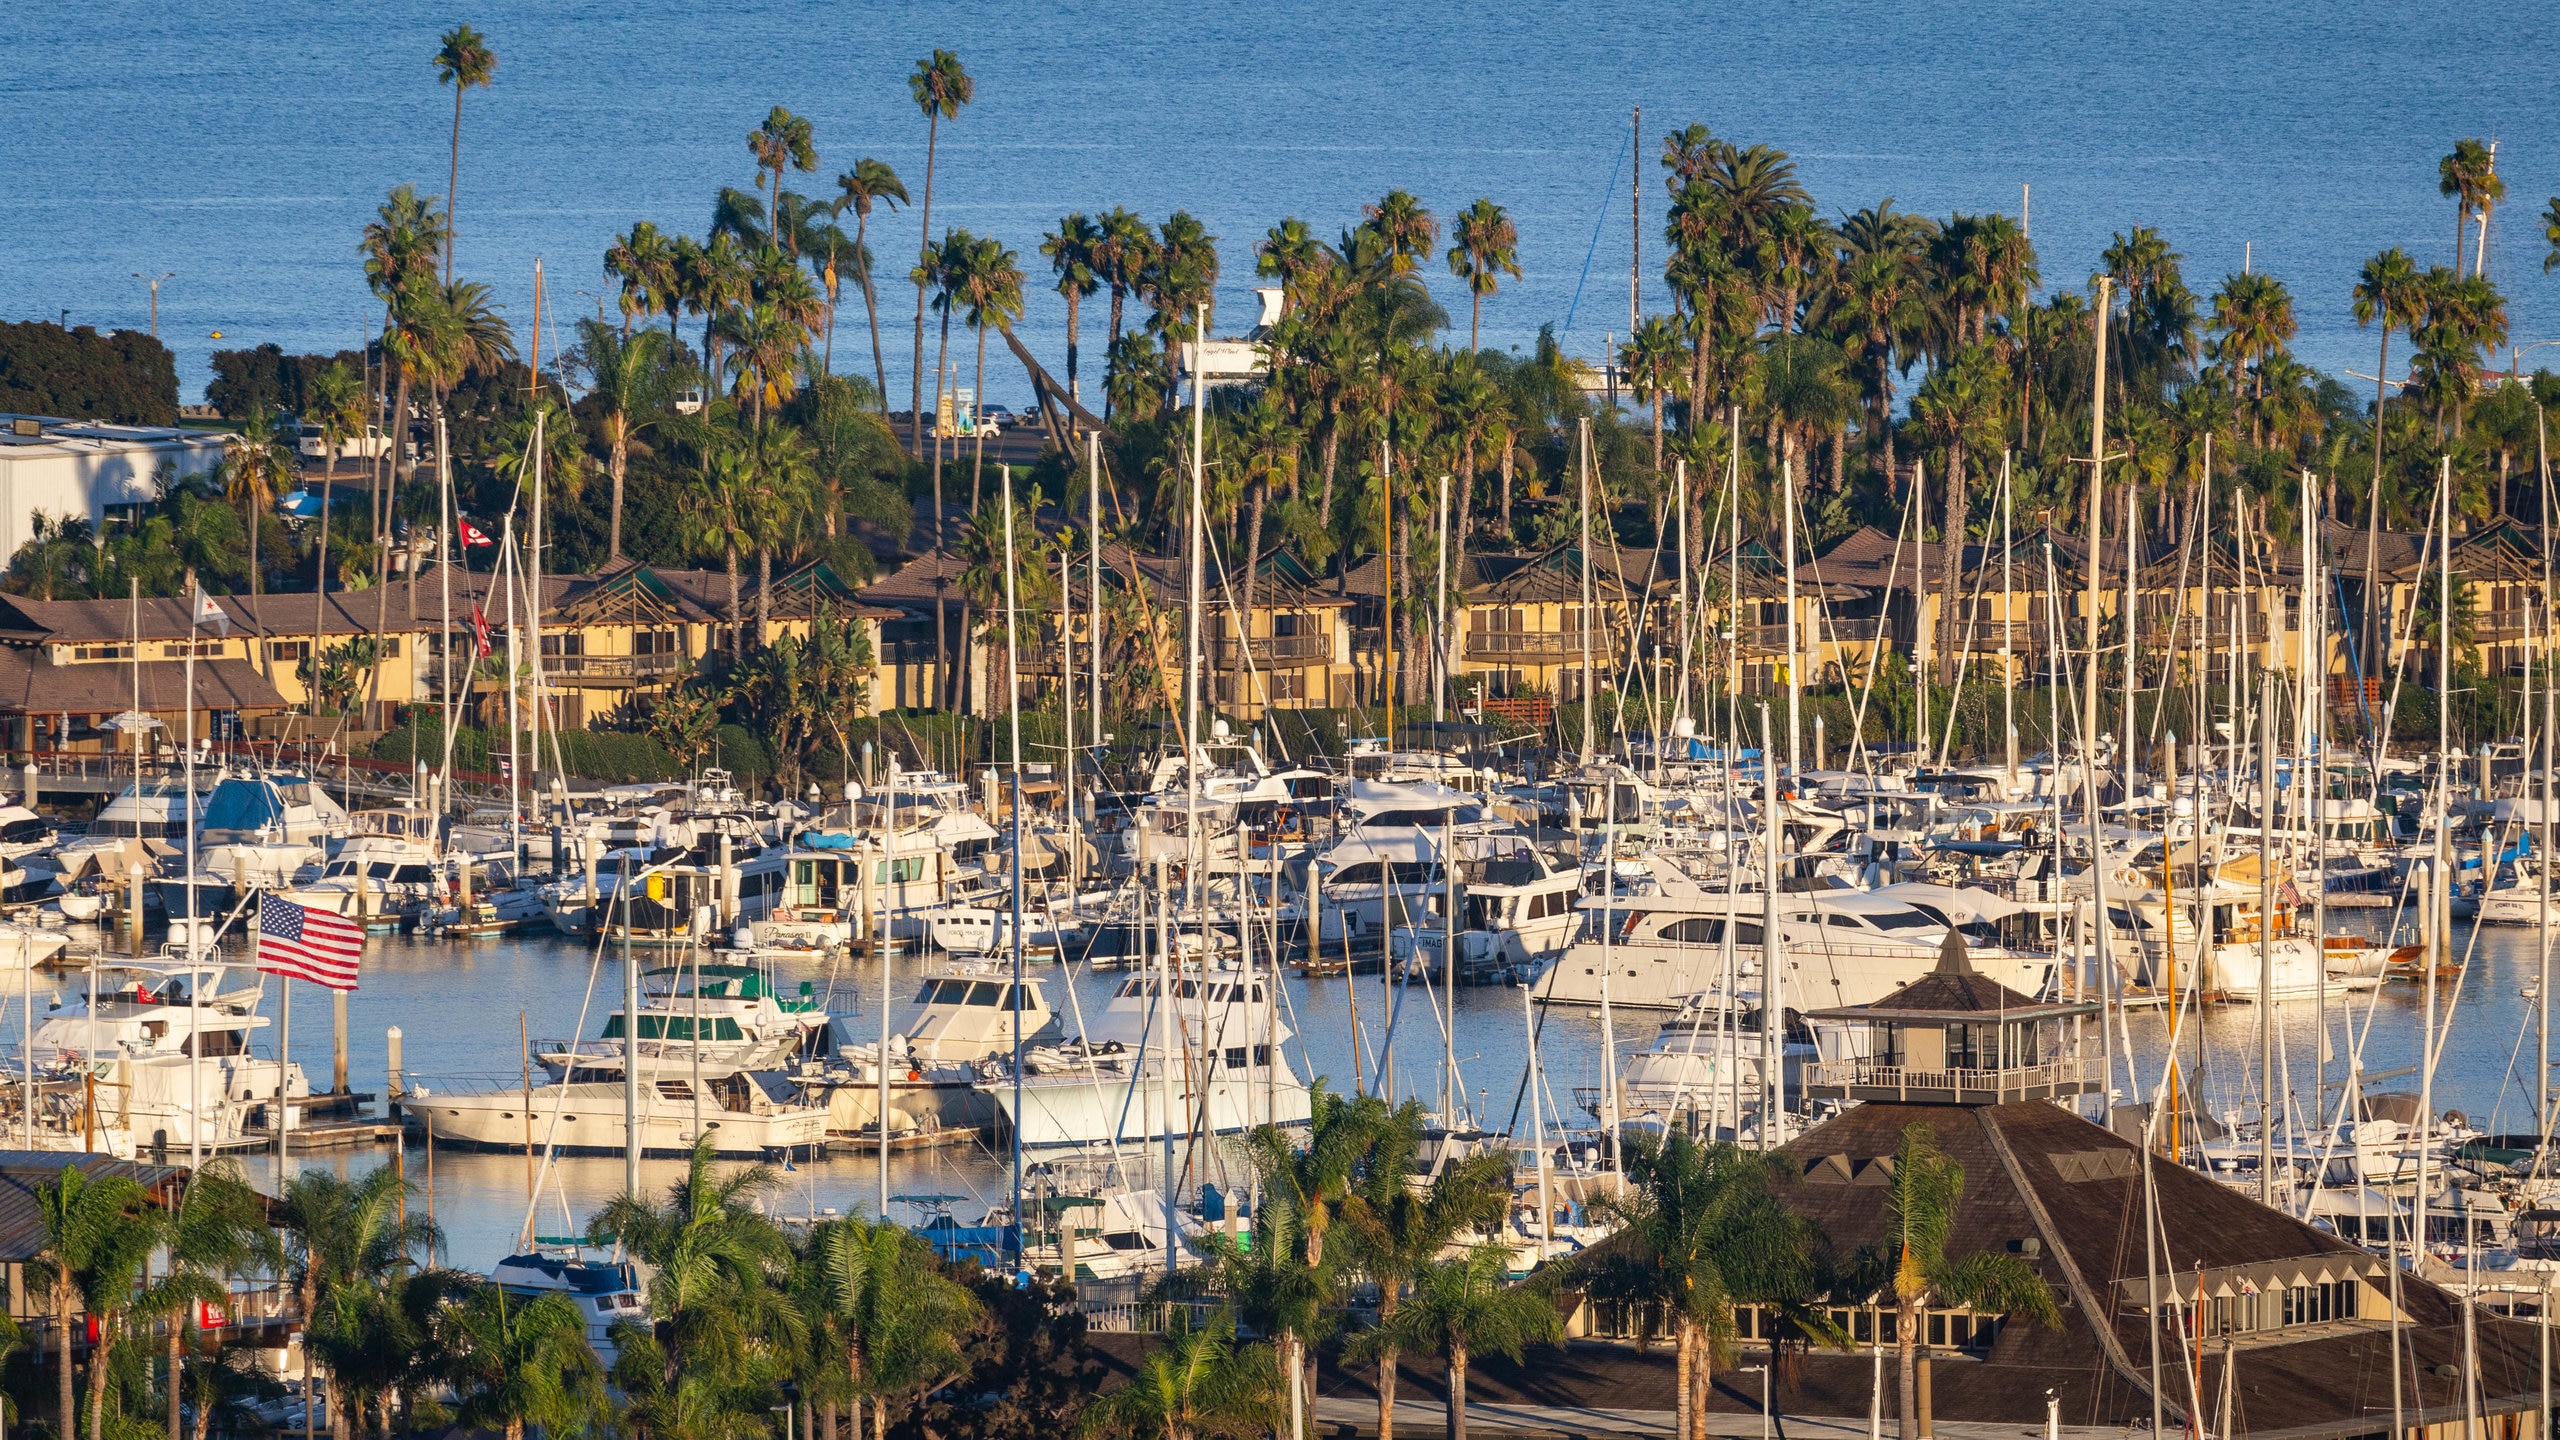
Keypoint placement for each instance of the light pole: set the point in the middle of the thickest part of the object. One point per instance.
(154, 282)
(1763, 1372)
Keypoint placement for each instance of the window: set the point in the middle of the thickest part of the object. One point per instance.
(102, 652)
(1285, 623)
(904, 867)
(1288, 684)
(200, 648)
(653, 642)
(287, 649)
(573, 643)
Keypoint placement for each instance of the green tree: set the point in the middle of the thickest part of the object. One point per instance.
(1483, 247)
(1461, 1308)
(877, 1299)
(258, 468)
(1654, 359)
(626, 380)
(719, 1264)
(218, 1229)
(870, 183)
(463, 61)
(940, 87)
(644, 260)
(1920, 1208)
(783, 142)
(2469, 178)
(1120, 257)
(98, 1235)
(517, 1363)
(1959, 409)
(1311, 1172)
(345, 1240)
(1398, 1225)
(1198, 1385)
(1069, 249)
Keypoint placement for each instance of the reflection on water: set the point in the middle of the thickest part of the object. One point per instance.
(458, 1006)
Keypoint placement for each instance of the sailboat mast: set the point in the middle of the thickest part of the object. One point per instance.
(2089, 694)
(1773, 1077)
(1583, 467)
(1795, 675)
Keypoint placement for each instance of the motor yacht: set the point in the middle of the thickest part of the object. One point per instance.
(719, 1017)
(746, 1113)
(964, 1017)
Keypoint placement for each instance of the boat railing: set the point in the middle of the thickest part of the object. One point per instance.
(1907, 1082)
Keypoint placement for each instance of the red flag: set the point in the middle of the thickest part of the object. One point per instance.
(473, 537)
(479, 633)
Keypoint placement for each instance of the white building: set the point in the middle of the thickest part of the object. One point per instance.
(87, 467)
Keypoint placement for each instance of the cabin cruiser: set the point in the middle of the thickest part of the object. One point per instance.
(143, 1026)
(1515, 913)
(388, 867)
(718, 1017)
(747, 1113)
(1706, 1069)
(1115, 1084)
(964, 1017)
(1840, 947)
(607, 1292)
(24, 833)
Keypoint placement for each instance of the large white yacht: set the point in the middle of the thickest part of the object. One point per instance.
(387, 868)
(965, 1017)
(724, 1017)
(745, 1112)
(138, 1034)
(1838, 947)
(1229, 1069)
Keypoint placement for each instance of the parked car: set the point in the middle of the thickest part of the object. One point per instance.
(998, 417)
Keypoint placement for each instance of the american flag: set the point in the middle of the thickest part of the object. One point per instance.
(301, 943)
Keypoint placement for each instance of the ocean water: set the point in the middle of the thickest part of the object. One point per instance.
(243, 145)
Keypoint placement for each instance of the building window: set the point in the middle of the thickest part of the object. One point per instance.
(103, 652)
(200, 648)
(285, 649)
(1289, 685)
(1285, 623)
(574, 643)
(653, 642)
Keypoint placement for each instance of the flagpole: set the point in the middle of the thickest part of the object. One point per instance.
(195, 945)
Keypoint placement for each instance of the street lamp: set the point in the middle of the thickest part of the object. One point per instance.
(154, 282)
(1765, 1382)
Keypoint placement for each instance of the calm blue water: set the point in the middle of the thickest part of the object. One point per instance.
(243, 145)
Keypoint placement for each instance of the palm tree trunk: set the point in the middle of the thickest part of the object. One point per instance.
(1701, 1386)
(1253, 551)
(70, 1422)
(1686, 1346)
(1073, 305)
(621, 463)
(941, 357)
(1458, 1392)
(871, 313)
(1111, 350)
(1332, 452)
(915, 405)
(1906, 1343)
(764, 596)
(1407, 674)
(1506, 493)
(1657, 432)
(98, 1362)
(737, 615)
(978, 426)
(1950, 563)
(177, 1372)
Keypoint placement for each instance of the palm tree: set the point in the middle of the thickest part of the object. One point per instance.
(1405, 230)
(940, 88)
(768, 341)
(1960, 408)
(1270, 1289)
(1460, 1308)
(1703, 1231)
(2255, 314)
(463, 61)
(98, 1235)
(2469, 178)
(1484, 246)
(2551, 235)
(1655, 361)
(1198, 1385)
(1181, 277)
(870, 182)
(643, 259)
(1311, 1172)
(873, 1292)
(717, 1259)
(1920, 1206)
(2388, 291)
(1119, 258)
(348, 1235)
(400, 248)
(258, 468)
(783, 142)
(1397, 1226)
(990, 284)
(626, 376)
(522, 1362)
(719, 516)
(1069, 249)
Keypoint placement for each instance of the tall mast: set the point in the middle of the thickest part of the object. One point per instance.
(2089, 697)
(1439, 615)
(1795, 676)
(1773, 1077)
(1680, 486)
(1093, 571)
(1583, 441)
(2008, 617)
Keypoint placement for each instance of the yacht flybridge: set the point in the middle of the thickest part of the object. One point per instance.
(719, 1018)
(171, 1036)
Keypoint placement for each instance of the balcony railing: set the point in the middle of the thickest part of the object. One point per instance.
(1277, 650)
(612, 667)
(2516, 624)
(1857, 1079)
(1546, 645)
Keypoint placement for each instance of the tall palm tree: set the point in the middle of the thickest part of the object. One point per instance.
(522, 1362)
(870, 182)
(719, 1262)
(1920, 1208)
(643, 259)
(874, 1294)
(990, 284)
(97, 1236)
(1270, 1289)
(1461, 1308)
(1311, 1172)
(720, 515)
(338, 407)
(1960, 408)
(1656, 364)
(1484, 246)
(351, 1236)
(1199, 1385)
(1119, 259)
(1406, 231)
(2469, 178)
(768, 342)
(626, 376)
(1069, 249)
(1398, 1225)
(2255, 314)
(940, 87)
(400, 248)
(783, 142)
(258, 468)
(463, 61)
(1182, 276)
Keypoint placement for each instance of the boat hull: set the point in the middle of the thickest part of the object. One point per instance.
(1090, 1110)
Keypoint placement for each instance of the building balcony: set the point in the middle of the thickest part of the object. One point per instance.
(612, 670)
(1540, 647)
(1859, 1080)
(1276, 651)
